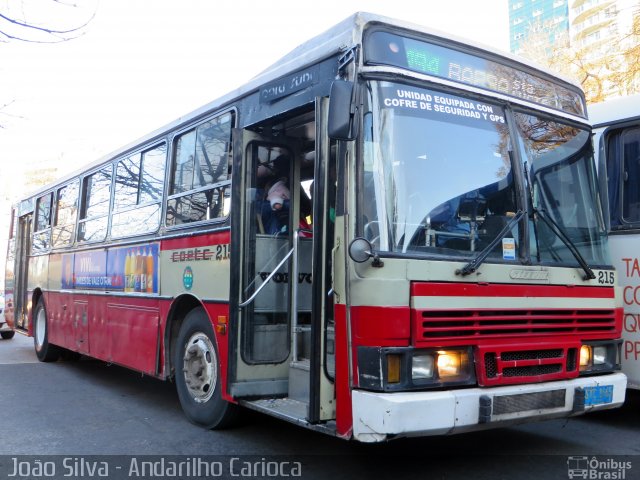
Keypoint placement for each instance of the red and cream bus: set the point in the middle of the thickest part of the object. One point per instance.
(390, 232)
(616, 126)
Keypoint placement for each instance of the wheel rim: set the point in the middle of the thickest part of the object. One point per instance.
(41, 327)
(200, 367)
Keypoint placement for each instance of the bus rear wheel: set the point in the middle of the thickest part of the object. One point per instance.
(197, 368)
(44, 350)
(7, 335)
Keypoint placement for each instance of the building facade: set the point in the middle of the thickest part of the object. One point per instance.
(546, 20)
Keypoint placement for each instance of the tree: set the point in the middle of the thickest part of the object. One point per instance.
(605, 67)
(31, 21)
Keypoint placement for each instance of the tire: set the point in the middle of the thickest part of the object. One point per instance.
(7, 335)
(197, 373)
(44, 350)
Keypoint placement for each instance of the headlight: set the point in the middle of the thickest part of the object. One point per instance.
(449, 364)
(444, 365)
(585, 356)
(600, 357)
(422, 367)
(394, 369)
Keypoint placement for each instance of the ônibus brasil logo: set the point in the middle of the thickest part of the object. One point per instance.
(595, 468)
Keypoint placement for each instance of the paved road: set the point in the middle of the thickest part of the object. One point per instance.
(90, 408)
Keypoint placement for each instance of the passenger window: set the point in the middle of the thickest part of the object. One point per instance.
(97, 193)
(200, 160)
(139, 188)
(43, 216)
(183, 165)
(95, 205)
(631, 172)
(200, 206)
(66, 214)
(40, 240)
(13, 231)
(127, 182)
(153, 167)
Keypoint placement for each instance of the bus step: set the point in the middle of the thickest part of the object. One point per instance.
(285, 408)
(299, 380)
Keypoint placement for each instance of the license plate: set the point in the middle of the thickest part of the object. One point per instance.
(598, 395)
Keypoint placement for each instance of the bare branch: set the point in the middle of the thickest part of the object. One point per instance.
(55, 35)
(6, 114)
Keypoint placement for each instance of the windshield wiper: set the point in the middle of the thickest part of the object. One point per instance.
(473, 265)
(555, 228)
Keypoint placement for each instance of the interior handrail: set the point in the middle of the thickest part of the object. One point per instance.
(267, 280)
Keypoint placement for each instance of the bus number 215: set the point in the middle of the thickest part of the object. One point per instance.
(605, 278)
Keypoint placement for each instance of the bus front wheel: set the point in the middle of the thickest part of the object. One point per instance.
(197, 368)
(44, 350)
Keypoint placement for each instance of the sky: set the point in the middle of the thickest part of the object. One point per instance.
(140, 64)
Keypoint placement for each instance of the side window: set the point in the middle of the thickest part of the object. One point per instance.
(630, 140)
(614, 177)
(153, 168)
(139, 185)
(42, 232)
(66, 213)
(13, 230)
(94, 214)
(200, 173)
(43, 215)
(127, 182)
(183, 164)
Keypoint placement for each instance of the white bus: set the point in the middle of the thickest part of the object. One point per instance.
(616, 125)
(452, 272)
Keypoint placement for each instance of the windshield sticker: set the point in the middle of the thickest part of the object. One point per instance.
(508, 249)
(441, 104)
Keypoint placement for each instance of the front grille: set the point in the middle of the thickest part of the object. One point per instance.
(508, 365)
(460, 325)
(523, 402)
(491, 365)
(531, 355)
(531, 371)
(572, 357)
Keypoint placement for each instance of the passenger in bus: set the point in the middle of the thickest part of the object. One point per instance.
(274, 210)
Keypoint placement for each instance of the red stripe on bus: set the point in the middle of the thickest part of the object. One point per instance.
(344, 415)
(500, 290)
(214, 238)
(372, 325)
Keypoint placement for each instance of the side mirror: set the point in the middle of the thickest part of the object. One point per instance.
(360, 250)
(342, 109)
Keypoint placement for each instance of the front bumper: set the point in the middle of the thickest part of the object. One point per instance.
(378, 416)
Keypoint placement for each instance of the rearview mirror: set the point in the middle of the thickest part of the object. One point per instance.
(342, 109)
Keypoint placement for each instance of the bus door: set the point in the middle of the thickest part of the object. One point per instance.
(277, 312)
(261, 255)
(22, 251)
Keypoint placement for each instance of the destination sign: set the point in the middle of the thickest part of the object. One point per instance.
(288, 85)
(443, 62)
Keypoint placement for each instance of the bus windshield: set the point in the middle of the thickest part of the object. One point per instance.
(439, 179)
(562, 183)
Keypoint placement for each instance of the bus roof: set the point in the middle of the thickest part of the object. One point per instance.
(615, 110)
(336, 39)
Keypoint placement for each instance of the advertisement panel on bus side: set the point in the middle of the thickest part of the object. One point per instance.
(125, 269)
